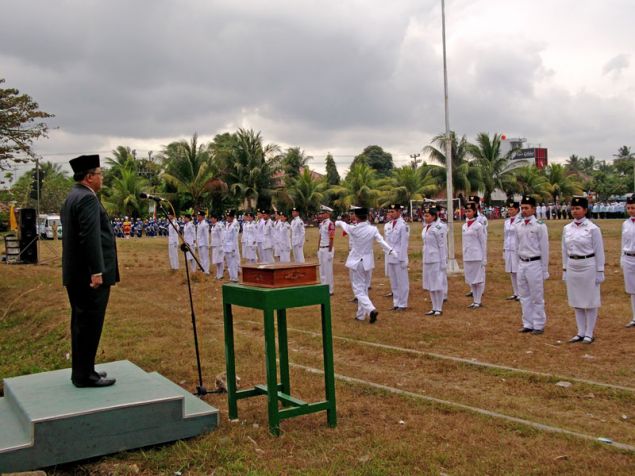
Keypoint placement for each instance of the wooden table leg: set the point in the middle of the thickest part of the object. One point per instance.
(329, 371)
(272, 374)
(230, 364)
(283, 351)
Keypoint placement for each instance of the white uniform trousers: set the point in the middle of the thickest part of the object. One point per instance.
(399, 284)
(173, 252)
(261, 253)
(203, 257)
(266, 256)
(325, 258)
(532, 294)
(285, 256)
(249, 253)
(298, 253)
(359, 280)
(231, 259)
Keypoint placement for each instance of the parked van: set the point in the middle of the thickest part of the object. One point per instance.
(49, 226)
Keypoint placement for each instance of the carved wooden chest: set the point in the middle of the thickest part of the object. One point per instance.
(279, 275)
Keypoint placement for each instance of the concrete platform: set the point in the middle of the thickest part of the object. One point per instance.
(45, 420)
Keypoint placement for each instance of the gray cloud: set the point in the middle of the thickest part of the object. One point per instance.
(616, 64)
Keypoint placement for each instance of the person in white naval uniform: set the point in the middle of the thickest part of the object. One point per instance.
(297, 236)
(325, 247)
(275, 235)
(360, 260)
(533, 266)
(482, 219)
(627, 260)
(510, 255)
(474, 240)
(249, 238)
(202, 241)
(230, 246)
(444, 231)
(583, 268)
(216, 245)
(267, 238)
(260, 235)
(435, 259)
(284, 238)
(173, 241)
(189, 235)
(397, 239)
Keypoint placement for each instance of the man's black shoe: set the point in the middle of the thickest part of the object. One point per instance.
(469, 294)
(100, 382)
(101, 373)
(524, 330)
(373, 316)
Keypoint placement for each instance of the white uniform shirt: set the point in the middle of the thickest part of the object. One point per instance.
(474, 241)
(249, 234)
(216, 231)
(583, 240)
(482, 219)
(397, 238)
(202, 233)
(173, 235)
(628, 236)
(327, 231)
(229, 237)
(361, 237)
(189, 233)
(284, 236)
(267, 234)
(435, 248)
(533, 240)
(297, 231)
(509, 233)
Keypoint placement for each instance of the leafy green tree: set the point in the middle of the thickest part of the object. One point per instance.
(307, 193)
(560, 185)
(573, 165)
(407, 183)
(376, 158)
(530, 181)
(588, 165)
(21, 123)
(332, 176)
(358, 188)
(466, 176)
(292, 161)
(123, 195)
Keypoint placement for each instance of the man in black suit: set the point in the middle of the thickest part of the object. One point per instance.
(89, 265)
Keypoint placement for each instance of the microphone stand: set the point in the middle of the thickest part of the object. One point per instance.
(185, 248)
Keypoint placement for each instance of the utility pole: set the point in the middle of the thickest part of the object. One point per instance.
(453, 266)
(414, 162)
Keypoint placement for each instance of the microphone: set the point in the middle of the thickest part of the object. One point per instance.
(152, 197)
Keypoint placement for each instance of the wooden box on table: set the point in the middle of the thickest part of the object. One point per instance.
(279, 275)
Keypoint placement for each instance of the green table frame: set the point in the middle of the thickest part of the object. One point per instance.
(269, 300)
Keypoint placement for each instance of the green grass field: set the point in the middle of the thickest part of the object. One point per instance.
(460, 394)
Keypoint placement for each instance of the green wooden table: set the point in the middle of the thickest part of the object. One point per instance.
(269, 300)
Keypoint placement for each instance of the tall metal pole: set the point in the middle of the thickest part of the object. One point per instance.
(453, 266)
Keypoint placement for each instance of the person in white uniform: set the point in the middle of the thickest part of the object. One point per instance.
(444, 231)
(267, 238)
(297, 236)
(533, 266)
(510, 254)
(275, 235)
(260, 235)
(360, 260)
(474, 254)
(230, 245)
(216, 245)
(397, 238)
(249, 238)
(189, 235)
(627, 260)
(173, 241)
(482, 219)
(202, 241)
(583, 269)
(284, 238)
(435, 259)
(325, 247)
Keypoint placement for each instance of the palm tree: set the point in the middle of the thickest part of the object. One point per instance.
(406, 184)
(561, 185)
(188, 168)
(250, 173)
(573, 165)
(496, 168)
(588, 164)
(123, 198)
(358, 188)
(466, 177)
(530, 181)
(123, 157)
(306, 193)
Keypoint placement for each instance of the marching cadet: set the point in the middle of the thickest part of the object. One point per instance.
(444, 231)
(276, 235)
(360, 260)
(189, 235)
(387, 230)
(325, 247)
(627, 260)
(435, 259)
(397, 239)
(284, 238)
(267, 241)
(474, 254)
(216, 231)
(297, 236)
(510, 255)
(260, 235)
(583, 268)
(480, 216)
(249, 238)
(230, 246)
(202, 241)
(173, 241)
(533, 266)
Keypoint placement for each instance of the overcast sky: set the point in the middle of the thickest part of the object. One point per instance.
(324, 75)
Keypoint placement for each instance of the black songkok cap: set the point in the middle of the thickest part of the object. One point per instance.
(527, 200)
(431, 210)
(580, 202)
(84, 163)
(471, 206)
(513, 204)
(188, 215)
(201, 213)
(630, 200)
(361, 211)
(474, 198)
(229, 213)
(396, 206)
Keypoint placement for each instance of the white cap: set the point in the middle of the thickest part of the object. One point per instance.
(324, 208)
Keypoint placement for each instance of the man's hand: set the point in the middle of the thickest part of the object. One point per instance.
(96, 280)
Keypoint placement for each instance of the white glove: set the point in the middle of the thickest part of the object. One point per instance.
(330, 255)
(403, 264)
(395, 254)
(484, 263)
(564, 275)
(545, 275)
(599, 277)
(444, 265)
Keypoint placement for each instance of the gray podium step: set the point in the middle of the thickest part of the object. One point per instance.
(45, 420)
